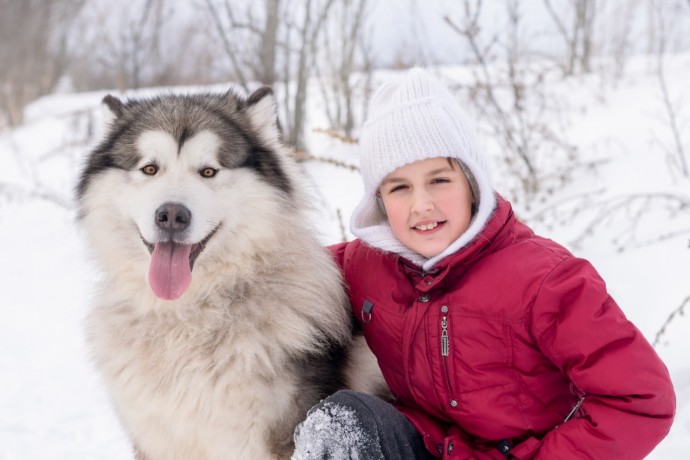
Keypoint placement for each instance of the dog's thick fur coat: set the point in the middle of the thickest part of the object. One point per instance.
(225, 364)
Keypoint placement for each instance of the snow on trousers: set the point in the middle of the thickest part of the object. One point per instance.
(352, 425)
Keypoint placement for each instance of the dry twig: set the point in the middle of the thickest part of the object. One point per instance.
(301, 155)
(344, 138)
(680, 311)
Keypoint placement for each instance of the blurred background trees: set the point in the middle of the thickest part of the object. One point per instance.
(86, 45)
(35, 51)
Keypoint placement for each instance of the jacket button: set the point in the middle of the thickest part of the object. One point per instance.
(453, 403)
(451, 446)
(424, 298)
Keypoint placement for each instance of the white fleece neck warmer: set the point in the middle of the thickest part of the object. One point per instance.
(410, 120)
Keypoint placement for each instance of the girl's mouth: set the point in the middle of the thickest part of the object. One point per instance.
(428, 227)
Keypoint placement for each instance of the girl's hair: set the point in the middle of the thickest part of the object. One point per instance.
(474, 186)
(453, 162)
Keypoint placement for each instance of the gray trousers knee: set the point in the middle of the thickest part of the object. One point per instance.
(351, 425)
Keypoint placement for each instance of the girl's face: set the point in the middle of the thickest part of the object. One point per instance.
(428, 203)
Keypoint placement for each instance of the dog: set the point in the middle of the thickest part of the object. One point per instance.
(219, 319)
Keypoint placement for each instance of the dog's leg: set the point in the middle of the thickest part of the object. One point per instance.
(362, 372)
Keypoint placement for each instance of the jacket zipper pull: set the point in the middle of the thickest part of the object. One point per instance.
(445, 344)
(366, 311)
(574, 409)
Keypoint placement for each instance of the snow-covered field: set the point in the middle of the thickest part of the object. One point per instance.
(52, 405)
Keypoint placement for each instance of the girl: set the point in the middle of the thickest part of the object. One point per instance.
(495, 342)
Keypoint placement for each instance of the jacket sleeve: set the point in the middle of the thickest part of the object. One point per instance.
(630, 402)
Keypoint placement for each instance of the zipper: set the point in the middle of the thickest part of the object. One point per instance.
(445, 345)
(575, 408)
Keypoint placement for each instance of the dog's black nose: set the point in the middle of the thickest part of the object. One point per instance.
(173, 217)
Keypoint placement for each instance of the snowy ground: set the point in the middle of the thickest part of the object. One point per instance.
(52, 405)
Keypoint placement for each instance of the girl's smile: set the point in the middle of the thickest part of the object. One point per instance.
(428, 227)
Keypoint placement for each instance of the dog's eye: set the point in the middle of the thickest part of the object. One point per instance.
(208, 172)
(150, 170)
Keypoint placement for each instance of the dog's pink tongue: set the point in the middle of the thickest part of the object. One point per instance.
(169, 272)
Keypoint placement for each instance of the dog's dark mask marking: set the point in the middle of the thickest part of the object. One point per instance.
(183, 116)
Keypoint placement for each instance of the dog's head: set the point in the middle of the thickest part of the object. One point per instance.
(176, 175)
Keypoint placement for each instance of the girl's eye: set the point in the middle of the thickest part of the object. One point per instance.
(397, 188)
(150, 169)
(440, 180)
(208, 172)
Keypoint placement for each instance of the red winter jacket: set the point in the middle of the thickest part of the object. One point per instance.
(501, 340)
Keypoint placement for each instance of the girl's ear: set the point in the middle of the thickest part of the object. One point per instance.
(379, 203)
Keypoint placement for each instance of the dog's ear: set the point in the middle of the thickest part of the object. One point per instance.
(263, 113)
(112, 109)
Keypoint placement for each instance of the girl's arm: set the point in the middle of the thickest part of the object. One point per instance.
(629, 400)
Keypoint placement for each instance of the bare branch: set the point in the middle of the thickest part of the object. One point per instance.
(578, 38)
(229, 50)
(593, 213)
(33, 51)
(680, 311)
(39, 192)
(235, 24)
(337, 56)
(344, 138)
(671, 111)
(557, 20)
(301, 155)
(672, 119)
(341, 225)
(470, 30)
(308, 34)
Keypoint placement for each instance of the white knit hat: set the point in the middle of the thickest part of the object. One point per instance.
(410, 120)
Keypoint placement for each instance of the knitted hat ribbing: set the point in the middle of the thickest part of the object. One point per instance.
(411, 120)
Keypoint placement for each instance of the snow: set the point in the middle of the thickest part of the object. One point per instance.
(331, 431)
(52, 403)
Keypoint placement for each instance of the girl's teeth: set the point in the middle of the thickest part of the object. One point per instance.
(427, 227)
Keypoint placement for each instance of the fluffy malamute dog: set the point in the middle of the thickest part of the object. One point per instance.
(219, 319)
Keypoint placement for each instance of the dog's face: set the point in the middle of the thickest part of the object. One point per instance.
(178, 175)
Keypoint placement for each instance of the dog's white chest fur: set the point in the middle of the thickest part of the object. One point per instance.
(192, 386)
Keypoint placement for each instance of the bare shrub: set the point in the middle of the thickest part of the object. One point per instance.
(34, 40)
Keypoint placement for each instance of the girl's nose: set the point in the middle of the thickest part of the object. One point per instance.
(422, 202)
